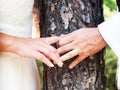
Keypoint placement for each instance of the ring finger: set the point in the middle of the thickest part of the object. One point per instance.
(69, 55)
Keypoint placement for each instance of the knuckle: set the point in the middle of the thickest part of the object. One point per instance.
(76, 43)
(52, 50)
(63, 48)
(60, 43)
(40, 56)
(46, 51)
(70, 54)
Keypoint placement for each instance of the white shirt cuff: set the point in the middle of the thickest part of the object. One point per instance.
(110, 31)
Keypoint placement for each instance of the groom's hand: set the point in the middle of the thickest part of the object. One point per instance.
(83, 42)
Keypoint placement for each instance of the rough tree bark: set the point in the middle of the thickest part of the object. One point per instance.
(62, 17)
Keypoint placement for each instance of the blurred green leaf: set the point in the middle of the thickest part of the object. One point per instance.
(110, 8)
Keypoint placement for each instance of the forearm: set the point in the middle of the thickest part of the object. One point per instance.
(6, 42)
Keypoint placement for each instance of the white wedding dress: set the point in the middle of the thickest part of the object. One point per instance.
(17, 73)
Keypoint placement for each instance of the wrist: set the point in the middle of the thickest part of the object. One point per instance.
(103, 42)
(7, 43)
(12, 42)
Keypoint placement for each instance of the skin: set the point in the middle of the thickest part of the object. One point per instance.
(83, 42)
(38, 48)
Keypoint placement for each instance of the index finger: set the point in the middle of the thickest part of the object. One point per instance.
(52, 53)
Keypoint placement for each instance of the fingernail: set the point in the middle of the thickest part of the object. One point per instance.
(51, 65)
(61, 64)
(70, 67)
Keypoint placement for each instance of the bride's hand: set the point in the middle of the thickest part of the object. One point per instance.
(38, 48)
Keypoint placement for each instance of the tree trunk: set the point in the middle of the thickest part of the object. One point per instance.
(62, 17)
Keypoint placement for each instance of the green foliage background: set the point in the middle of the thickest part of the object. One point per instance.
(110, 8)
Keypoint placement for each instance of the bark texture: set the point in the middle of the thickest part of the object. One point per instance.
(62, 17)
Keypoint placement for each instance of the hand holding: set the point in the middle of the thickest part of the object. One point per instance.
(83, 42)
(38, 48)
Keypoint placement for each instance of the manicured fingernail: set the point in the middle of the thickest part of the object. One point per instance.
(51, 65)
